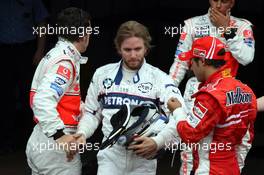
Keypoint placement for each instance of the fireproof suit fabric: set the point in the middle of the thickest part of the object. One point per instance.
(186, 155)
(108, 91)
(45, 157)
(240, 49)
(117, 160)
(242, 46)
(224, 110)
(55, 100)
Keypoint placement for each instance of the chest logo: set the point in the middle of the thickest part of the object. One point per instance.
(238, 97)
(107, 83)
(145, 87)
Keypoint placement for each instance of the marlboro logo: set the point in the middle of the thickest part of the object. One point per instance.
(238, 97)
(199, 53)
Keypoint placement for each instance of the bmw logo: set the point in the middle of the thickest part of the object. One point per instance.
(107, 83)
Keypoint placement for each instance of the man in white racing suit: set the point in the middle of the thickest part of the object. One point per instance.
(236, 33)
(131, 81)
(55, 100)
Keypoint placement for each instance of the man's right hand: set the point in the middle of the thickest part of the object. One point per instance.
(173, 103)
(218, 19)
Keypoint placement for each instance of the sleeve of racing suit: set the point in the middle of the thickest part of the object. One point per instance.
(52, 87)
(190, 89)
(92, 114)
(168, 90)
(243, 149)
(178, 68)
(242, 46)
(204, 116)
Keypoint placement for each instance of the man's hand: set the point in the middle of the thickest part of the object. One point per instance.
(218, 19)
(79, 142)
(65, 139)
(145, 147)
(80, 139)
(68, 144)
(173, 103)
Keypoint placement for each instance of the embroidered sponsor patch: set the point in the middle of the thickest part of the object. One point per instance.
(249, 42)
(183, 36)
(173, 89)
(178, 52)
(193, 120)
(226, 72)
(202, 31)
(116, 100)
(145, 87)
(107, 83)
(248, 34)
(199, 52)
(238, 96)
(64, 71)
(60, 81)
(199, 110)
(57, 88)
(76, 88)
(71, 50)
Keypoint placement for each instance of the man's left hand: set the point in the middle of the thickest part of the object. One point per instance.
(146, 147)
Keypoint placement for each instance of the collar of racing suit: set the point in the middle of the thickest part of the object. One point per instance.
(136, 78)
(219, 74)
(73, 52)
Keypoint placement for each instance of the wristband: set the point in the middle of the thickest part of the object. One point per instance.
(58, 134)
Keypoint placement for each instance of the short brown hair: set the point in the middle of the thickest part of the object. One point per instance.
(132, 29)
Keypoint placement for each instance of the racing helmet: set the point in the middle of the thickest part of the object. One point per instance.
(135, 120)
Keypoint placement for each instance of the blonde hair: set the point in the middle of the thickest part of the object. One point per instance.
(132, 29)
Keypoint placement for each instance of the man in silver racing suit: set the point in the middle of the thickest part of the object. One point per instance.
(131, 81)
(55, 100)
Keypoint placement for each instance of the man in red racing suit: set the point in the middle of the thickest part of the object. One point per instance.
(223, 114)
(235, 32)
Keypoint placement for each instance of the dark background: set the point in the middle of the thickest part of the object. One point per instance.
(156, 15)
